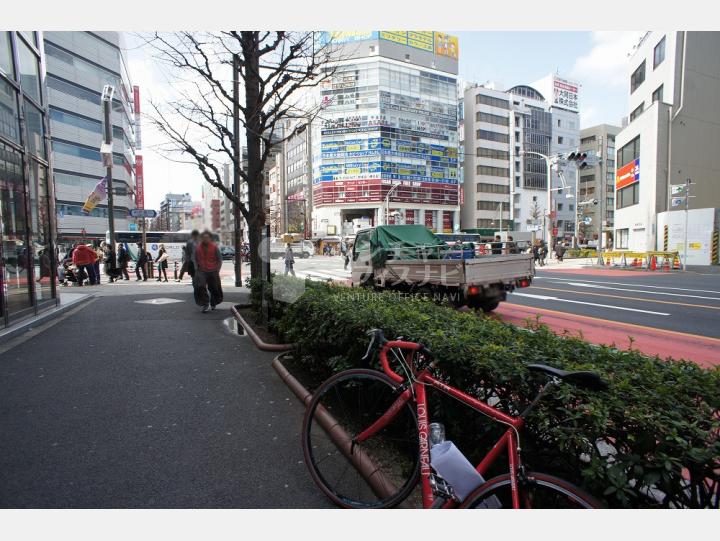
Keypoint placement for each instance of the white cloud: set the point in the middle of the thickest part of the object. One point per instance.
(606, 62)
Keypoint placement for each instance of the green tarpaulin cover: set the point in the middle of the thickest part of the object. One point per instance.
(412, 241)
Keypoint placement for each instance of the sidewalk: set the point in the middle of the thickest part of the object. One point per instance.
(125, 403)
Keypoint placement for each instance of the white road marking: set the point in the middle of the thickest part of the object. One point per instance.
(548, 298)
(685, 295)
(625, 284)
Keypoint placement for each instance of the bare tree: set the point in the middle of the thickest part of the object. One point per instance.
(277, 72)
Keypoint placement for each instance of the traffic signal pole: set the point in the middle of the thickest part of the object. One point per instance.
(107, 96)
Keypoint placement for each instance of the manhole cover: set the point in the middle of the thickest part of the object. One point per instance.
(159, 301)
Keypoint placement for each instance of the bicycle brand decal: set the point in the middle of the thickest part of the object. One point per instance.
(424, 447)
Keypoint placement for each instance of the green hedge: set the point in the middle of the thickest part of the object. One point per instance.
(661, 418)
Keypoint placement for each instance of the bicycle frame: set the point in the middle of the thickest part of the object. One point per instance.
(508, 441)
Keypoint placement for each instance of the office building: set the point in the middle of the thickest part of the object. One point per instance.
(79, 65)
(388, 133)
(597, 183)
(505, 184)
(672, 136)
(27, 202)
(175, 212)
(211, 203)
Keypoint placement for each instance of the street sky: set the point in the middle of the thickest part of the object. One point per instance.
(597, 60)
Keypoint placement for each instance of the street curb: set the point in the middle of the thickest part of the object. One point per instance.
(33, 322)
(263, 346)
(362, 463)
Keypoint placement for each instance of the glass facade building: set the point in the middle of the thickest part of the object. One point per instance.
(389, 122)
(27, 210)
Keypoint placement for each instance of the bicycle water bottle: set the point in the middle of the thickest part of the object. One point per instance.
(447, 460)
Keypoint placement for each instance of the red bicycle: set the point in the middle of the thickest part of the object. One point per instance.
(366, 438)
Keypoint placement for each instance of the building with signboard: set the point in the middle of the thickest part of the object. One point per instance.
(598, 183)
(388, 133)
(672, 135)
(503, 187)
(27, 208)
(79, 65)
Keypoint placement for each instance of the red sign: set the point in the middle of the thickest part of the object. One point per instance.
(136, 99)
(628, 174)
(462, 196)
(409, 216)
(139, 183)
(555, 231)
(429, 218)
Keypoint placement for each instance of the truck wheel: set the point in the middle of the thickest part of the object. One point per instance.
(304, 255)
(367, 280)
(489, 306)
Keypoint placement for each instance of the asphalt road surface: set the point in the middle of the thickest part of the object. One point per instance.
(130, 404)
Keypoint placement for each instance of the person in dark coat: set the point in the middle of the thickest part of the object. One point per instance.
(497, 245)
(123, 261)
(111, 267)
(189, 255)
(140, 264)
(162, 263)
(560, 251)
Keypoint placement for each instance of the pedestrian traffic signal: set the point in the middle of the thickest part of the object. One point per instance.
(580, 158)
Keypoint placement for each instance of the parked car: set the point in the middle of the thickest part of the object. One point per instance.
(226, 252)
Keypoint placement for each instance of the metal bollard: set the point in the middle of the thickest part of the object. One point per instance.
(175, 271)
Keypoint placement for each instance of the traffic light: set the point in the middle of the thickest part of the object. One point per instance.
(580, 158)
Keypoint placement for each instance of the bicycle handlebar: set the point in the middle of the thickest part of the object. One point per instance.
(378, 340)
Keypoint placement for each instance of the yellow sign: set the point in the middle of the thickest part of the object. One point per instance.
(421, 40)
(446, 45)
(695, 246)
(351, 148)
(398, 36)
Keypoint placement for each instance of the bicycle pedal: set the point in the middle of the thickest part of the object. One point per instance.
(441, 487)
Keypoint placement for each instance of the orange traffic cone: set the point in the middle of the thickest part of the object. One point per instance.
(676, 263)
(653, 263)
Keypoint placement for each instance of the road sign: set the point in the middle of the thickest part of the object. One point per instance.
(142, 213)
(677, 201)
(677, 189)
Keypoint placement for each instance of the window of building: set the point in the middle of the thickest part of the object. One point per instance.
(492, 136)
(587, 140)
(492, 153)
(658, 94)
(492, 119)
(485, 223)
(493, 171)
(659, 53)
(492, 205)
(517, 182)
(492, 101)
(517, 121)
(637, 112)
(9, 119)
(35, 130)
(6, 57)
(559, 206)
(622, 237)
(486, 187)
(611, 164)
(29, 71)
(560, 140)
(629, 152)
(517, 136)
(558, 122)
(587, 178)
(571, 207)
(628, 196)
(637, 78)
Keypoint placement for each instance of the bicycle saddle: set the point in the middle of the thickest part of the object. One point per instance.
(580, 378)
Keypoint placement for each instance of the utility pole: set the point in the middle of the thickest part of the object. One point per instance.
(688, 182)
(236, 169)
(387, 201)
(603, 188)
(107, 96)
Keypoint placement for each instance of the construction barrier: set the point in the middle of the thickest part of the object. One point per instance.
(715, 247)
(656, 261)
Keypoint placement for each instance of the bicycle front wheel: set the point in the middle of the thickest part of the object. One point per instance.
(537, 491)
(379, 472)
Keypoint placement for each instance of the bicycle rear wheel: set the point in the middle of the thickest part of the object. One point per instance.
(537, 491)
(379, 472)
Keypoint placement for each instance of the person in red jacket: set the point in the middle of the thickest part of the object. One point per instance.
(83, 258)
(206, 282)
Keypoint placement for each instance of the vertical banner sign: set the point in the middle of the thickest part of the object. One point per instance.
(139, 183)
(139, 178)
(98, 194)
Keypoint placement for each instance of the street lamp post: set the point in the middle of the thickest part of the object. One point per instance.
(549, 221)
(387, 201)
(107, 96)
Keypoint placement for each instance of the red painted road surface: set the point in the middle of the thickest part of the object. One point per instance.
(703, 350)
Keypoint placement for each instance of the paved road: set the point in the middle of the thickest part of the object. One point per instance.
(123, 404)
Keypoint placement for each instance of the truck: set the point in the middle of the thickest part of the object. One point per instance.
(301, 248)
(410, 258)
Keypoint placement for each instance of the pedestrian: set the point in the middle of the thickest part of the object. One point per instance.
(140, 264)
(343, 248)
(84, 259)
(189, 255)
(162, 263)
(123, 258)
(289, 261)
(62, 279)
(560, 251)
(111, 268)
(497, 245)
(206, 282)
(100, 253)
(543, 252)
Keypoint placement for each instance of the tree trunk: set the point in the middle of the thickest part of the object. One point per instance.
(253, 128)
